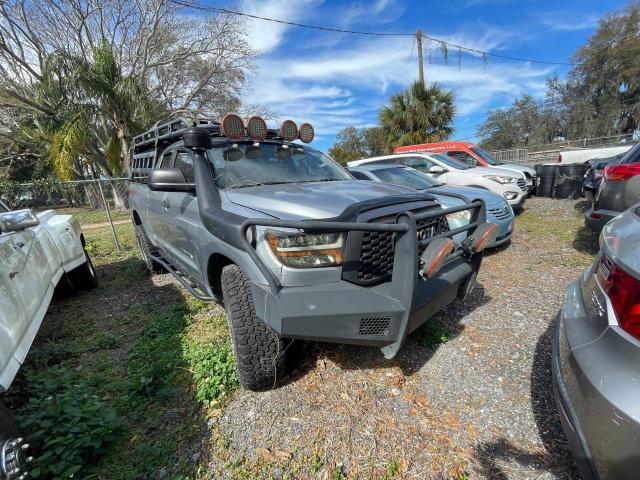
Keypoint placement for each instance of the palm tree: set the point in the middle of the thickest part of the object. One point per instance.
(96, 111)
(420, 114)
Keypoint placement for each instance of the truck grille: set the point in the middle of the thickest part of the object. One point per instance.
(374, 326)
(376, 253)
(498, 214)
(522, 183)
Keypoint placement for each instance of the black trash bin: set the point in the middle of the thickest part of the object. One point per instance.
(545, 180)
(567, 182)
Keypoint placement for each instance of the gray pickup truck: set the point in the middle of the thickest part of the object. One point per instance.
(290, 243)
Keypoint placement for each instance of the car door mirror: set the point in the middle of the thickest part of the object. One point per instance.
(17, 220)
(436, 170)
(170, 180)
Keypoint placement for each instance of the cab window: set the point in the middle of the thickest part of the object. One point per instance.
(419, 163)
(463, 157)
(165, 160)
(185, 163)
(359, 175)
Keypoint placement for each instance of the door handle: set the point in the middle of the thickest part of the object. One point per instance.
(12, 274)
(18, 245)
(166, 204)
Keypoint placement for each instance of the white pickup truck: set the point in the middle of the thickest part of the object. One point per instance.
(36, 253)
(582, 155)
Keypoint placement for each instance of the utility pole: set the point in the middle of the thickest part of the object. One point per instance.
(420, 64)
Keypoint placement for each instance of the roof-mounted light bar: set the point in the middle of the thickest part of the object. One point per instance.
(306, 133)
(257, 128)
(289, 130)
(232, 126)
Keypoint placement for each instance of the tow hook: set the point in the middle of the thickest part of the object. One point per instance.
(14, 459)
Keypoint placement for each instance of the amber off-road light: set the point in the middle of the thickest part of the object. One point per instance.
(289, 130)
(233, 126)
(434, 257)
(306, 133)
(483, 236)
(257, 128)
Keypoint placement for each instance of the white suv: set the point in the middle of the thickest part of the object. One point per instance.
(36, 253)
(510, 185)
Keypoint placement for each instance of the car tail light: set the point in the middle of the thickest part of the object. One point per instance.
(624, 292)
(621, 172)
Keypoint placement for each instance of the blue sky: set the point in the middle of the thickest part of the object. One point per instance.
(333, 80)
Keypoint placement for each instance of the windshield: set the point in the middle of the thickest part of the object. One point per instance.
(246, 164)
(407, 177)
(633, 155)
(451, 162)
(485, 156)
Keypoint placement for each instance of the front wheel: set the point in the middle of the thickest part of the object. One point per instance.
(147, 250)
(259, 350)
(85, 276)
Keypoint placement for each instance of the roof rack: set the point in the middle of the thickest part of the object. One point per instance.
(169, 132)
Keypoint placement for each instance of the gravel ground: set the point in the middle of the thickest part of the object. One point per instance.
(479, 405)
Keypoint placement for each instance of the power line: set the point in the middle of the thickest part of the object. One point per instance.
(475, 51)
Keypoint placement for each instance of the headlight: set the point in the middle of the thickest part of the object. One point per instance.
(306, 250)
(500, 179)
(461, 215)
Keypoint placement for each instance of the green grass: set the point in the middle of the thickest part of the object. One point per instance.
(87, 216)
(431, 335)
(154, 368)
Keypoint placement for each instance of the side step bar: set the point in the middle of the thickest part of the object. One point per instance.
(184, 281)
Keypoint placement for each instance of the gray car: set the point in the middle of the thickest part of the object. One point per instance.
(618, 190)
(498, 209)
(596, 356)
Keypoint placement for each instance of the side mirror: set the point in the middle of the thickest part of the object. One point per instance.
(18, 220)
(169, 180)
(436, 170)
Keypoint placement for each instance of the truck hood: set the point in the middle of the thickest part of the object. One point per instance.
(494, 171)
(314, 200)
(517, 168)
(470, 194)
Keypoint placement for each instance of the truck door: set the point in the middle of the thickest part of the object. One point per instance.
(182, 219)
(156, 229)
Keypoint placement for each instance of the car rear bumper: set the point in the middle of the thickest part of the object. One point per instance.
(597, 219)
(596, 391)
(343, 312)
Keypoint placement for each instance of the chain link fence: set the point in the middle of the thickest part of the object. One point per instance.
(97, 203)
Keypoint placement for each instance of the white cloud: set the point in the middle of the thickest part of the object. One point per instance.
(345, 80)
(569, 22)
(264, 35)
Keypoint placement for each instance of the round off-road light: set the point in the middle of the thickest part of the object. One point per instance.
(257, 128)
(434, 256)
(232, 126)
(483, 236)
(289, 130)
(306, 133)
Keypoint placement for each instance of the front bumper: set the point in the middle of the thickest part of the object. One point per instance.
(594, 377)
(380, 314)
(602, 218)
(343, 312)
